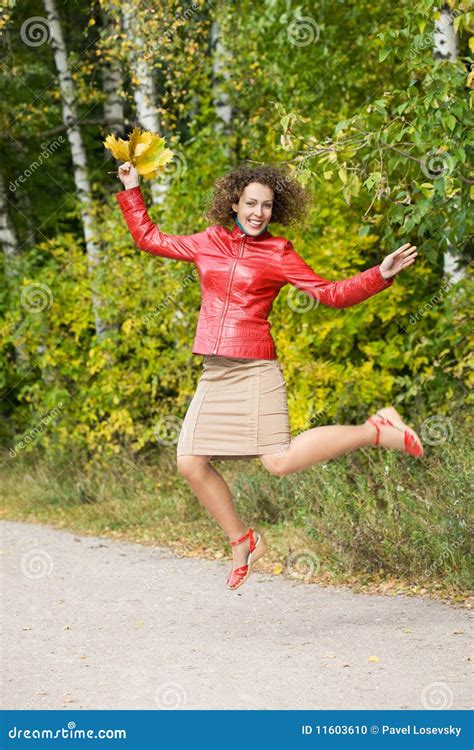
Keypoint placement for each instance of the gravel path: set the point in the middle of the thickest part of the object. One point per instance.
(93, 623)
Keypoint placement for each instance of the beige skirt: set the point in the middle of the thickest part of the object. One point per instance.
(239, 410)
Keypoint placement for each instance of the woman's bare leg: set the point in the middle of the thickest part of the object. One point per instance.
(327, 442)
(214, 494)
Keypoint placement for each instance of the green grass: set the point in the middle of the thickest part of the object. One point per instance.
(373, 519)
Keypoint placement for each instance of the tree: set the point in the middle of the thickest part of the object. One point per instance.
(446, 48)
(144, 88)
(78, 156)
(10, 246)
(406, 150)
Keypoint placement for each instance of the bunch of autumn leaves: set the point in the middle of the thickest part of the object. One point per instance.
(145, 150)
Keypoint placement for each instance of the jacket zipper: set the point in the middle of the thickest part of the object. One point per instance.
(227, 298)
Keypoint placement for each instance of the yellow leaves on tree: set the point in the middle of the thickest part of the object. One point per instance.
(144, 149)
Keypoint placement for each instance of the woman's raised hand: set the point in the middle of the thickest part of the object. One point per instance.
(128, 175)
(401, 258)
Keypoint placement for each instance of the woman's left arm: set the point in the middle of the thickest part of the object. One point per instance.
(346, 292)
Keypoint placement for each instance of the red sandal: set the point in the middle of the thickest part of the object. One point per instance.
(258, 548)
(411, 441)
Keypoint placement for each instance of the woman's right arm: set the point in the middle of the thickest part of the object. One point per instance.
(146, 235)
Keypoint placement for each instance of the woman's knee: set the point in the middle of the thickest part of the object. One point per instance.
(275, 463)
(189, 465)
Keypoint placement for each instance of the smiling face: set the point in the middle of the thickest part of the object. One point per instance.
(254, 209)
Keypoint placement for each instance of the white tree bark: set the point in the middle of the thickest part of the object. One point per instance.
(220, 70)
(11, 248)
(446, 48)
(144, 91)
(111, 81)
(8, 236)
(113, 105)
(78, 153)
(445, 42)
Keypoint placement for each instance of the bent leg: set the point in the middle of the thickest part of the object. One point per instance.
(316, 445)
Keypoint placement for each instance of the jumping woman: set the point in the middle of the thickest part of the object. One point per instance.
(239, 409)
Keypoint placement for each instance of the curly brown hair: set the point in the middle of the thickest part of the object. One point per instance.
(290, 199)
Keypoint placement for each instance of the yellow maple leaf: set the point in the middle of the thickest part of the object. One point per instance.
(117, 146)
(144, 149)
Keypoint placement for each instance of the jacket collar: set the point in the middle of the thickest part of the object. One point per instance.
(237, 234)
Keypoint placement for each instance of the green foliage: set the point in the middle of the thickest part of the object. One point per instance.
(371, 516)
(341, 119)
(402, 158)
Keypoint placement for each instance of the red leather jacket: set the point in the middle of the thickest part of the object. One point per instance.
(240, 278)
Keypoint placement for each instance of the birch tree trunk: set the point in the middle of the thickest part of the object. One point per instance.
(111, 81)
(8, 238)
(220, 70)
(144, 90)
(446, 48)
(11, 249)
(114, 116)
(445, 42)
(78, 154)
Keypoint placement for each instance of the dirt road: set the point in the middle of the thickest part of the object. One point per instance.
(93, 623)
